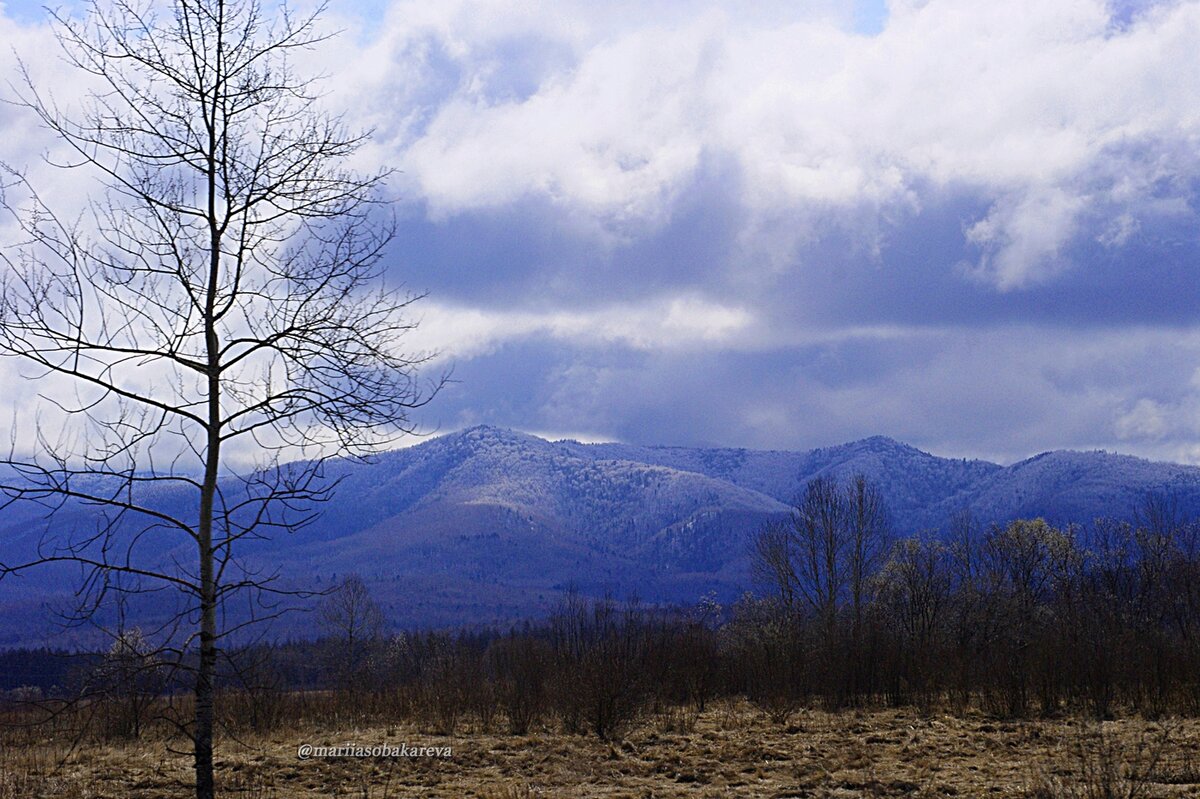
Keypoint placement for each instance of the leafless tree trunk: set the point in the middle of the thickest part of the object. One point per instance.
(218, 293)
(870, 535)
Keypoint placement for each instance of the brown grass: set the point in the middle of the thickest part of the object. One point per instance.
(729, 750)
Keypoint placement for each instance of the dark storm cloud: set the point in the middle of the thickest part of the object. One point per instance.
(535, 255)
(907, 271)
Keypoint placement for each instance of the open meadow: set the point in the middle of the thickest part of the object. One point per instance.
(730, 749)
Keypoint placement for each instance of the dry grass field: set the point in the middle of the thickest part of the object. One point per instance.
(729, 750)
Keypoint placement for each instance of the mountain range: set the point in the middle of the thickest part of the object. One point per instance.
(487, 526)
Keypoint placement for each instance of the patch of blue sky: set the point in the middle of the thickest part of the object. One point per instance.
(870, 17)
(27, 11)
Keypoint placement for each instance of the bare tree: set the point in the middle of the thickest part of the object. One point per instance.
(773, 562)
(804, 557)
(521, 665)
(217, 297)
(819, 524)
(355, 622)
(825, 553)
(870, 534)
(821, 562)
(914, 591)
(1025, 565)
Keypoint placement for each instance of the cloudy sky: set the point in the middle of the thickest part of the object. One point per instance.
(972, 226)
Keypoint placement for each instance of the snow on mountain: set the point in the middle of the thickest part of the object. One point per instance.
(487, 525)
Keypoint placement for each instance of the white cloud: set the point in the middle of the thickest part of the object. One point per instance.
(678, 323)
(1145, 420)
(1022, 236)
(1033, 103)
(609, 110)
(673, 324)
(1170, 423)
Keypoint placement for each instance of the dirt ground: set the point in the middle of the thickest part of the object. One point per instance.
(729, 750)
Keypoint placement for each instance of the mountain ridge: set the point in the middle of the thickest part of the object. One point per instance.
(488, 525)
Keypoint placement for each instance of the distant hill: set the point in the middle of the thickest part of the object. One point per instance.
(914, 482)
(487, 526)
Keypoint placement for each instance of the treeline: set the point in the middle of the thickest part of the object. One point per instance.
(43, 671)
(1017, 619)
(594, 667)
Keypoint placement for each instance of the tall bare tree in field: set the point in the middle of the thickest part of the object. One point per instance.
(217, 299)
